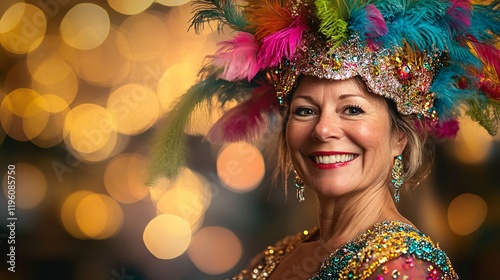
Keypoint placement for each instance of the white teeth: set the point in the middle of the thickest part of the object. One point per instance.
(333, 159)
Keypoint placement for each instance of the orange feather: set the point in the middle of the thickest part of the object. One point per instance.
(267, 17)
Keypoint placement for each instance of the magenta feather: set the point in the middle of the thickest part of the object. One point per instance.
(459, 15)
(246, 121)
(487, 53)
(446, 129)
(378, 26)
(490, 88)
(281, 44)
(238, 58)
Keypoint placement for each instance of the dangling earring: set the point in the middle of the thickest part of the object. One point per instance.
(397, 176)
(299, 185)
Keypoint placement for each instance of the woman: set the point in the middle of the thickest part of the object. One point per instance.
(363, 87)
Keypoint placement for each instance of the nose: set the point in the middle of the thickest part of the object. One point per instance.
(329, 126)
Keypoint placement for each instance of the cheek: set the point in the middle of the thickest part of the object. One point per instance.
(294, 137)
(372, 135)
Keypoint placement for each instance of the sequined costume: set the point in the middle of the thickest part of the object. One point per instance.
(387, 250)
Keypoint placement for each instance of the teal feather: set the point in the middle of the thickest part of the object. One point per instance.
(450, 95)
(225, 12)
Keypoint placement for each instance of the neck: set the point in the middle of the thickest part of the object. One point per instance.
(343, 218)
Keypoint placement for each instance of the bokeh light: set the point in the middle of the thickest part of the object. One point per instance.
(172, 3)
(22, 33)
(472, 144)
(466, 213)
(240, 166)
(129, 188)
(187, 197)
(52, 134)
(98, 216)
(89, 128)
(215, 250)
(12, 12)
(81, 33)
(129, 7)
(30, 185)
(68, 210)
(100, 66)
(142, 37)
(174, 83)
(167, 236)
(135, 108)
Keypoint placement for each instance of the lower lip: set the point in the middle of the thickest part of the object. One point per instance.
(331, 165)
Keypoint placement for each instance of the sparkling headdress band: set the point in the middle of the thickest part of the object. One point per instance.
(400, 73)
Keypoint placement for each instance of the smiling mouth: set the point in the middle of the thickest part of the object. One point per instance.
(334, 159)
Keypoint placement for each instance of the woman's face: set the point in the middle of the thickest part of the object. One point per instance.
(340, 138)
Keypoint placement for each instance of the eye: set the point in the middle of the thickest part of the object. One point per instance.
(353, 110)
(303, 111)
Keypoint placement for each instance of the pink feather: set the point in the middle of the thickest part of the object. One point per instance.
(459, 15)
(238, 58)
(488, 54)
(247, 120)
(281, 44)
(447, 129)
(378, 26)
(490, 88)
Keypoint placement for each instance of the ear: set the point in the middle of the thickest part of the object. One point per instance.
(400, 139)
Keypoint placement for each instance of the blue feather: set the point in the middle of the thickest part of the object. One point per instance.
(451, 96)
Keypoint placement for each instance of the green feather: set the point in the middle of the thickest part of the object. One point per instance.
(168, 153)
(333, 16)
(169, 148)
(225, 12)
(486, 113)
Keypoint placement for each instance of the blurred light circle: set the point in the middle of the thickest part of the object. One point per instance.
(24, 34)
(24, 102)
(89, 128)
(80, 32)
(52, 134)
(37, 120)
(466, 213)
(174, 83)
(55, 103)
(117, 144)
(215, 250)
(187, 197)
(240, 166)
(108, 70)
(472, 144)
(27, 184)
(126, 189)
(12, 124)
(12, 12)
(167, 236)
(68, 210)
(142, 37)
(173, 3)
(134, 107)
(130, 7)
(98, 216)
(57, 79)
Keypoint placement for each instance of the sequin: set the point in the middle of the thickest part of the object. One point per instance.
(399, 73)
(366, 255)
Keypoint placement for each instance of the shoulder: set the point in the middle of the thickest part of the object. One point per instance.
(264, 263)
(390, 250)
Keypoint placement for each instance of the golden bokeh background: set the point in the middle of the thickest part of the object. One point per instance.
(84, 85)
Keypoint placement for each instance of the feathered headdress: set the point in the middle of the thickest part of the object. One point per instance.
(433, 58)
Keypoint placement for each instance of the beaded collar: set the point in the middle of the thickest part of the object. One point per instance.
(360, 257)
